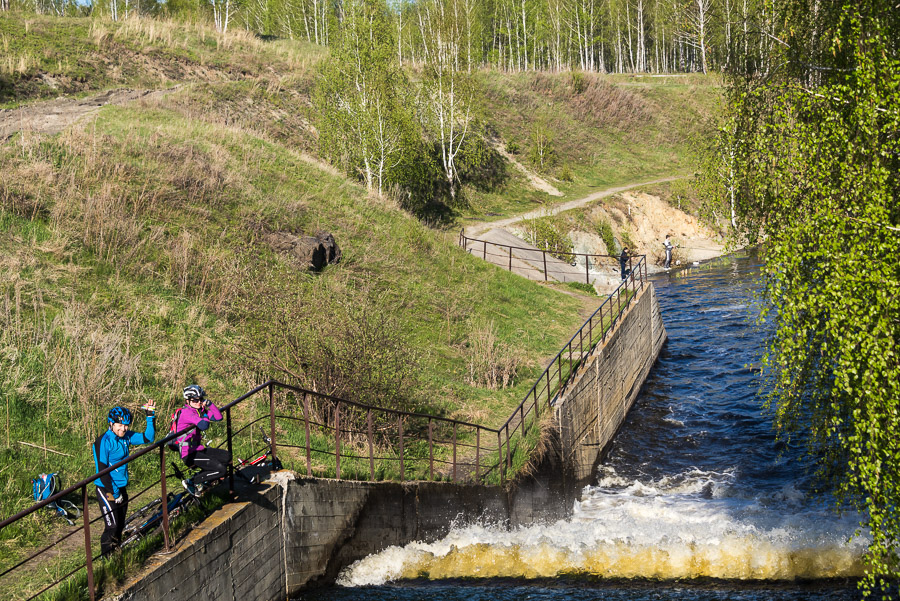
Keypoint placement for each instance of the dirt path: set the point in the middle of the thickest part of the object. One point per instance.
(474, 230)
(53, 116)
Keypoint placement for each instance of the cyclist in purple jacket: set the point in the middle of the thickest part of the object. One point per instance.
(213, 463)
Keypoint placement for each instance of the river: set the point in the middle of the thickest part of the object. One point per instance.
(696, 501)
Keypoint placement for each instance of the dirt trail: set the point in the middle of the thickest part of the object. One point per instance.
(475, 229)
(53, 116)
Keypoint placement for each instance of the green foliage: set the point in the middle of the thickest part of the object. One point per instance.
(542, 152)
(548, 234)
(579, 82)
(363, 99)
(808, 160)
(605, 231)
(583, 287)
(512, 147)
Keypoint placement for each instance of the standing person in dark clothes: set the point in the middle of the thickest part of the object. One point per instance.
(668, 246)
(110, 448)
(623, 263)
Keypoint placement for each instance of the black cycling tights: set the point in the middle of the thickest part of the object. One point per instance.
(213, 464)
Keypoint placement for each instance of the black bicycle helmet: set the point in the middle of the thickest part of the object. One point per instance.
(194, 393)
(119, 415)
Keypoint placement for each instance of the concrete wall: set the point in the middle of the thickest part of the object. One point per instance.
(595, 403)
(277, 539)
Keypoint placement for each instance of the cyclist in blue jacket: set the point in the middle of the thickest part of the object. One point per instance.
(110, 448)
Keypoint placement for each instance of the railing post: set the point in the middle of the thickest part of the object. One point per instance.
(549, 391)
(570, 360)
(306, 419)
(163, 494)
(500, 462)
(400, 427)
(508, 449)
(587, 273)
(371, 448)
(484, 251)
(477, 453)
(602, 327)
(272, 423)
(454, 451)
(591, 332)
(522, 416)
(337, 439)
(510, 258)
(230, 464)
(645, 272)
(545, 264)
(89, 556)
(430, 451)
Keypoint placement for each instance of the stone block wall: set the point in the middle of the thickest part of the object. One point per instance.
(594, 405)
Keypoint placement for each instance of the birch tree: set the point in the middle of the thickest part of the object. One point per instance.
(448, 96)
(361, 96)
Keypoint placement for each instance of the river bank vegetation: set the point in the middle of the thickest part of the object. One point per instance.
(808, 160)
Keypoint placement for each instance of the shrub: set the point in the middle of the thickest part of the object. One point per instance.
(605, 231)
(547, 233)
(492, 363)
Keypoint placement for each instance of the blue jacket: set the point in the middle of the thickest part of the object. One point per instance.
(110, 449)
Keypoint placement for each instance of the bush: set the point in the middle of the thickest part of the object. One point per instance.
(492, 364)
(583, 287)
(605, 231)
(547, 233)
(512, 147)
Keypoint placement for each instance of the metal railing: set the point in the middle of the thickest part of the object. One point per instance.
(503, 255)
(389, 436)
(357, 436)
(552, 382)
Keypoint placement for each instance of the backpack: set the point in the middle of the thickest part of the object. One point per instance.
(44, 486)
(173, 428)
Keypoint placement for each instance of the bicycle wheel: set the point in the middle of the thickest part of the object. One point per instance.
(151, 506)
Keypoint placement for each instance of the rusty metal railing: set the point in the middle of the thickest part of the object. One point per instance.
(508, 257)
(391, 436)
(552, 382)
(357, 436)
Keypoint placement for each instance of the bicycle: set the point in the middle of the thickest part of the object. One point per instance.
(149, 517)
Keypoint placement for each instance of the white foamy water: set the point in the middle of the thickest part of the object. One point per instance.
(688, 526)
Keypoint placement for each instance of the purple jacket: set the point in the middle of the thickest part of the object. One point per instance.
(188, 416)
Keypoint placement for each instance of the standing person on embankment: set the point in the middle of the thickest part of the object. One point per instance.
(110, 448)
(623, 263)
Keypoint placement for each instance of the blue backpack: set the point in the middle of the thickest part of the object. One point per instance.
(45, 486)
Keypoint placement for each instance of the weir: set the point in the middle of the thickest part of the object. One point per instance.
(299, 531)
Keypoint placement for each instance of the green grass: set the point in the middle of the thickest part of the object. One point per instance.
(621, 130)
(134, 256)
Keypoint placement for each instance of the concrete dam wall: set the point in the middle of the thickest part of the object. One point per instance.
(296, 532)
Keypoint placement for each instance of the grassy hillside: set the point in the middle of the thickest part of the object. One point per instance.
(135, 254)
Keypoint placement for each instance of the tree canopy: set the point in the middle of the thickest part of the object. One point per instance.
(808, 162)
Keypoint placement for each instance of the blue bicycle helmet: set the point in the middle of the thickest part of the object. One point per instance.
(119, 415)
(193, 393)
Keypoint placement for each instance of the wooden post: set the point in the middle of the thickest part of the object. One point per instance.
(510, 258)
(545, 264)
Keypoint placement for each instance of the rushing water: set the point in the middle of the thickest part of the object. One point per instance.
(696, 500)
